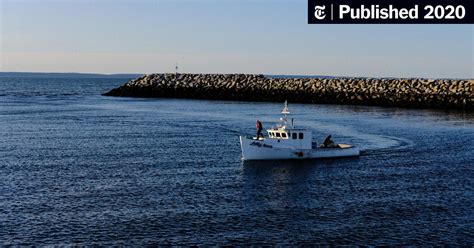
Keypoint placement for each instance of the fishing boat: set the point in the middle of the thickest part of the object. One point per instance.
(285, 141)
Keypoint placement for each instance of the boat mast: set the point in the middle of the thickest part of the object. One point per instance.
(285, 113)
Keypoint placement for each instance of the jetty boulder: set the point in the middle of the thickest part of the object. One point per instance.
(397, 92)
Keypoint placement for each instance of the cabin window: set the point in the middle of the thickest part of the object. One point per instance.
(293, 135)
(283, 135)
(278, 135)
(301, 135)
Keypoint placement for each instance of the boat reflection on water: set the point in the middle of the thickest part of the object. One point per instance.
(282, 185)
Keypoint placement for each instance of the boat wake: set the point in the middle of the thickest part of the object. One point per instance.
(368, 143)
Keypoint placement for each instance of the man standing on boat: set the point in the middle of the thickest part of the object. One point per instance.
(259, 127)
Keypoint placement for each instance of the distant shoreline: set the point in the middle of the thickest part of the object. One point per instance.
(137, 75)
(64, 75)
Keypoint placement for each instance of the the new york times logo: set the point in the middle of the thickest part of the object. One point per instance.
(319, 12)
(390, 11)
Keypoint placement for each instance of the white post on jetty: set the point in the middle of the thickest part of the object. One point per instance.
(176, 72)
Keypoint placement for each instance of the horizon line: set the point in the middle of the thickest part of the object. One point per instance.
(300, 75)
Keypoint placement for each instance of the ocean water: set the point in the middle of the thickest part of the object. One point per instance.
(80, 168)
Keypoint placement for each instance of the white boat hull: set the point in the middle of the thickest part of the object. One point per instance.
(253, 149)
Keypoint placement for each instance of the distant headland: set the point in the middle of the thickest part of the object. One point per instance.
(396, 92)
(64, 75)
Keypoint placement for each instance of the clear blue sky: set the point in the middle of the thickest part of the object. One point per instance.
(220, 36)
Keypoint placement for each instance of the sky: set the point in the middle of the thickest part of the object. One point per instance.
(220, 36)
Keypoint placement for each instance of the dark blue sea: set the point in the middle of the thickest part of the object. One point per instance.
(78, 168)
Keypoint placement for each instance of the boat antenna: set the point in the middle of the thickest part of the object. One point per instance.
(285, 112)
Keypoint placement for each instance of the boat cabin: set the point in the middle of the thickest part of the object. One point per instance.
(285, 135)
(289, 137)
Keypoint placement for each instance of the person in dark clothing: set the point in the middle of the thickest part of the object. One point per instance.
(328, 142)
(259, 127)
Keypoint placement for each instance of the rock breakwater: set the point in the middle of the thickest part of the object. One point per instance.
(398, 92)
